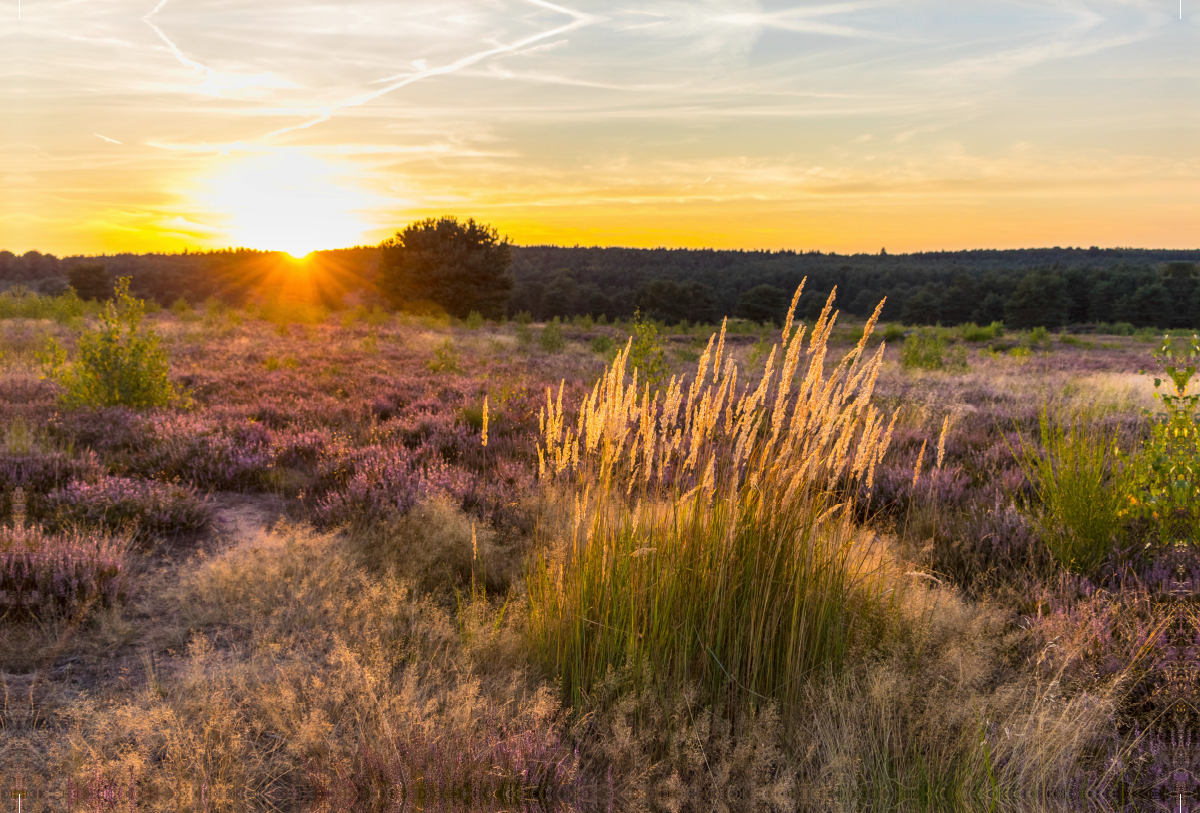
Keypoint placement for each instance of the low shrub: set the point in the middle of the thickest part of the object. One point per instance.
(972, 332)
(1165, 474)
(65, 309)
(1115, 328)
(602, 344)
(65, 575)
(445, 359)
(144, 507)
(647, 355)
(118, 365)
(552, 339)
(924, 350)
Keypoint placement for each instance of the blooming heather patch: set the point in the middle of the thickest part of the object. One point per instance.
(63, 574)
(39, 473)
(148, 507)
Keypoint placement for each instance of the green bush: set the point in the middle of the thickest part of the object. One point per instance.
(647, 354)
(66, 309)
(474, 320)
(445, 359)
(1075, 341)
(1080, 490)
(923, 351)
(972, 332)
(893, 333)
(118, 365)
(1165, 476)
(602, 345)
(552, 337)
(524, 336)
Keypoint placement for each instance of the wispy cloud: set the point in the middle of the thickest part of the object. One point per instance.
(541, 111)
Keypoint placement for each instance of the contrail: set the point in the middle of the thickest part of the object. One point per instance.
(187, 63)
(106, 138)
(325, 112)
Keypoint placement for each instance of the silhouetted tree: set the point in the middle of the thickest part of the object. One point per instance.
(958, 302)
(991, 309)
(1183, 287)
(922, 308)
(672, 302)
(561, 296)
(461, 267)
(1039, 300)
(763, 303)
(1151, 306)
(90, 281)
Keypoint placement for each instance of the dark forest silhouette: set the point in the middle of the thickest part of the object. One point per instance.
(1050, 287)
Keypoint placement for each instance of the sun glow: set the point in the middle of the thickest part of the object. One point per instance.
(286, 202)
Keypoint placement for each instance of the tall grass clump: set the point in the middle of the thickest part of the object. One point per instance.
(705, 537)
(1080, 490)
(120, 364)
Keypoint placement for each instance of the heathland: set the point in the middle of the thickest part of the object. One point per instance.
(359, 559)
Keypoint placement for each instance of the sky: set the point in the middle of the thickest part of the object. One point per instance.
(921, 125)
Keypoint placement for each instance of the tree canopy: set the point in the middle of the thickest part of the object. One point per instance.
(90, 281)
(458, 267)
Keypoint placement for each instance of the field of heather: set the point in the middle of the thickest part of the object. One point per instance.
(375, 561)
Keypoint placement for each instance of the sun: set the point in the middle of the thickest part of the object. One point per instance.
(285, 202)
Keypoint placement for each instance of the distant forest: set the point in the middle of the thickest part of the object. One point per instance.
(1052, 287)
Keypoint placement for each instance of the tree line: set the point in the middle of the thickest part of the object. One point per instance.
(461, 267)
(1023, 288)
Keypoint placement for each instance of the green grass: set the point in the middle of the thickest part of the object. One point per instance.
(1080, 490)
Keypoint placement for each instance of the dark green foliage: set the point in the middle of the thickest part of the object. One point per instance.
(763, 303)
(458, 267)
(90, 281)
(121, 364)
(561, 296)
(1040, 300)
(673, 302)
(1099, 285)
(923, 308)
(646, 354)
(1183, 292)
(925, 350)
(960, 301)
(972, 332)
(602, 344)
(552, 339)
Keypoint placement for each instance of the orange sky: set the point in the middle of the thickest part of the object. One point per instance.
(849, 126)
